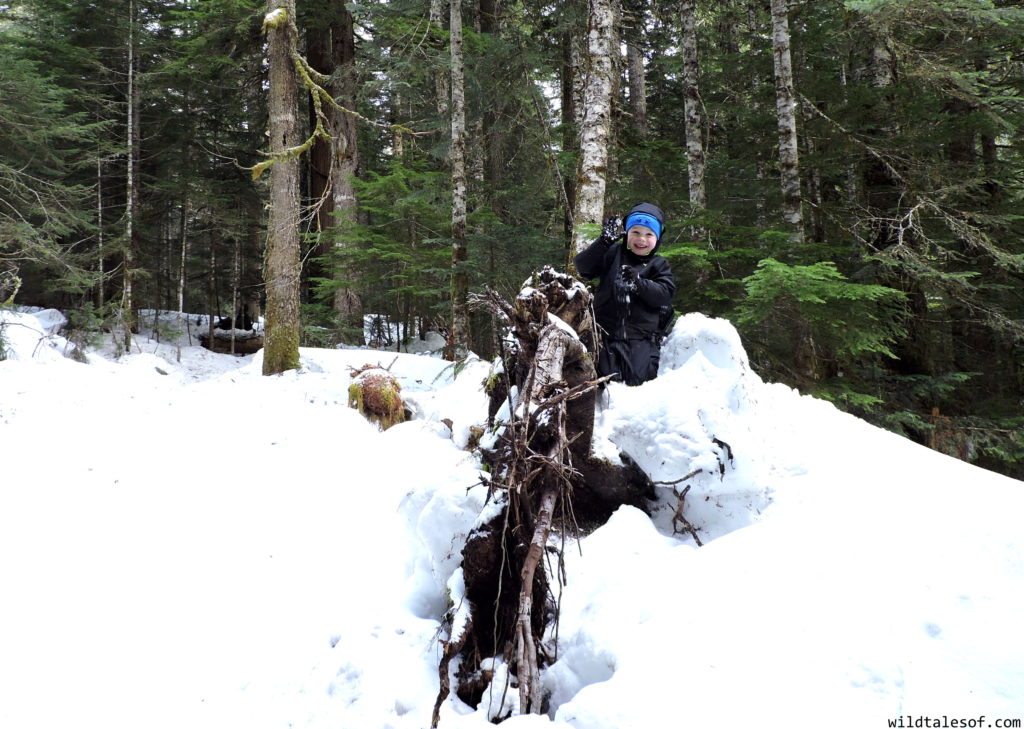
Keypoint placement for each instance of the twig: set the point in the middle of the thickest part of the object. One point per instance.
(690, 475)
(451, 649)
(678, 517)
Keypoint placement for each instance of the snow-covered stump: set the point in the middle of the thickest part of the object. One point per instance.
(544, 401)
(376, 394)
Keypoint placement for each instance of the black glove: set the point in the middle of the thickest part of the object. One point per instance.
(630, 276)
(612, 230)
(626, 284)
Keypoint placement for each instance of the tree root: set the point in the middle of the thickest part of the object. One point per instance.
(546, 392)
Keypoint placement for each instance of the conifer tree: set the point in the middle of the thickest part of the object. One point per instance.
(281, 351)
(460, 340)
(43, 142)
(785, 102)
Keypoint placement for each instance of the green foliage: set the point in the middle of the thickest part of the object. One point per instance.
(809, 326)
(997, 443)
(85, 326)
(848, 319)
(397, 257)
(321, 327)
(906, 296)
(40, 138)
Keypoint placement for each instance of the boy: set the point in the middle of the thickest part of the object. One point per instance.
(635, 285)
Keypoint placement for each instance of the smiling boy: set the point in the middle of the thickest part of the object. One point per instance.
(635, 284)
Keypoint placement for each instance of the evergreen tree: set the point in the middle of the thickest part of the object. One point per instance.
(906, 123)
(282, 263)
(44, 211)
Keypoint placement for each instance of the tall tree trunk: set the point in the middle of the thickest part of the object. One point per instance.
(347, 304)
(132, 192)
(318, 53)
(595, 128)
(618, 74)
(101, 279)
(281, 268)
(182, 278)
(186, 154)
(694, 107)
(852, 179)
(635, 72)
(460, 344)
(815, 187)
(785, 104)
(990, 156)
(570, 78)
(441, 91)
(494, 139)
(880, 191)
(753, 38)
(211, 287)
(881, 64)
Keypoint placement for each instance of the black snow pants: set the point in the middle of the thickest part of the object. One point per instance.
(633, 361)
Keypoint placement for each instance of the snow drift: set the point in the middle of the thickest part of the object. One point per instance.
(192, 544)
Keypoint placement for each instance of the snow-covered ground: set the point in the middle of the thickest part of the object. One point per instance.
(191, 544)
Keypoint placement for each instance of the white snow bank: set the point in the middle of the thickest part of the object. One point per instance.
(696, 419)
(33, 335)
(213, 548)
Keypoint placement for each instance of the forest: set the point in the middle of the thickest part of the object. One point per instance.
(843, 179)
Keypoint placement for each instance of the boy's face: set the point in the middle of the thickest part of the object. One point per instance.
(641, 240)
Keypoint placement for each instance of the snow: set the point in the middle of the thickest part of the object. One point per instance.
(189, 543)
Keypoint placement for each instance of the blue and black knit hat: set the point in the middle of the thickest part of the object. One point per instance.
(647, 215)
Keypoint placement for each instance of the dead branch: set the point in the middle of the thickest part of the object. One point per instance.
(688, 476)
(451, 649)
(678, 518)
(526, 644)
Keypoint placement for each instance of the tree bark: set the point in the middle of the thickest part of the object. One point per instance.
(569, 81)
(348, 306)
(441, 90)
(282, 267)
(694, 107)
(182, 275)
(318, 42)
(595, 128)
(990, 155)
(754, 23)
(101, 296)
(637, 81)
(785, 104)
(815, 188)
(460, 341)
(132, 191)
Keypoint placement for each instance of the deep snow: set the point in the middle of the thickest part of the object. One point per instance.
(191, 544)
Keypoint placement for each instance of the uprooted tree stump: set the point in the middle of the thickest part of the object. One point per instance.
(543, 473)
(376, 394)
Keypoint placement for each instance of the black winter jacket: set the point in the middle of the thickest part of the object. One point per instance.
(635, 316)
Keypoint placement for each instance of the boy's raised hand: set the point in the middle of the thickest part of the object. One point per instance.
(612, 230)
